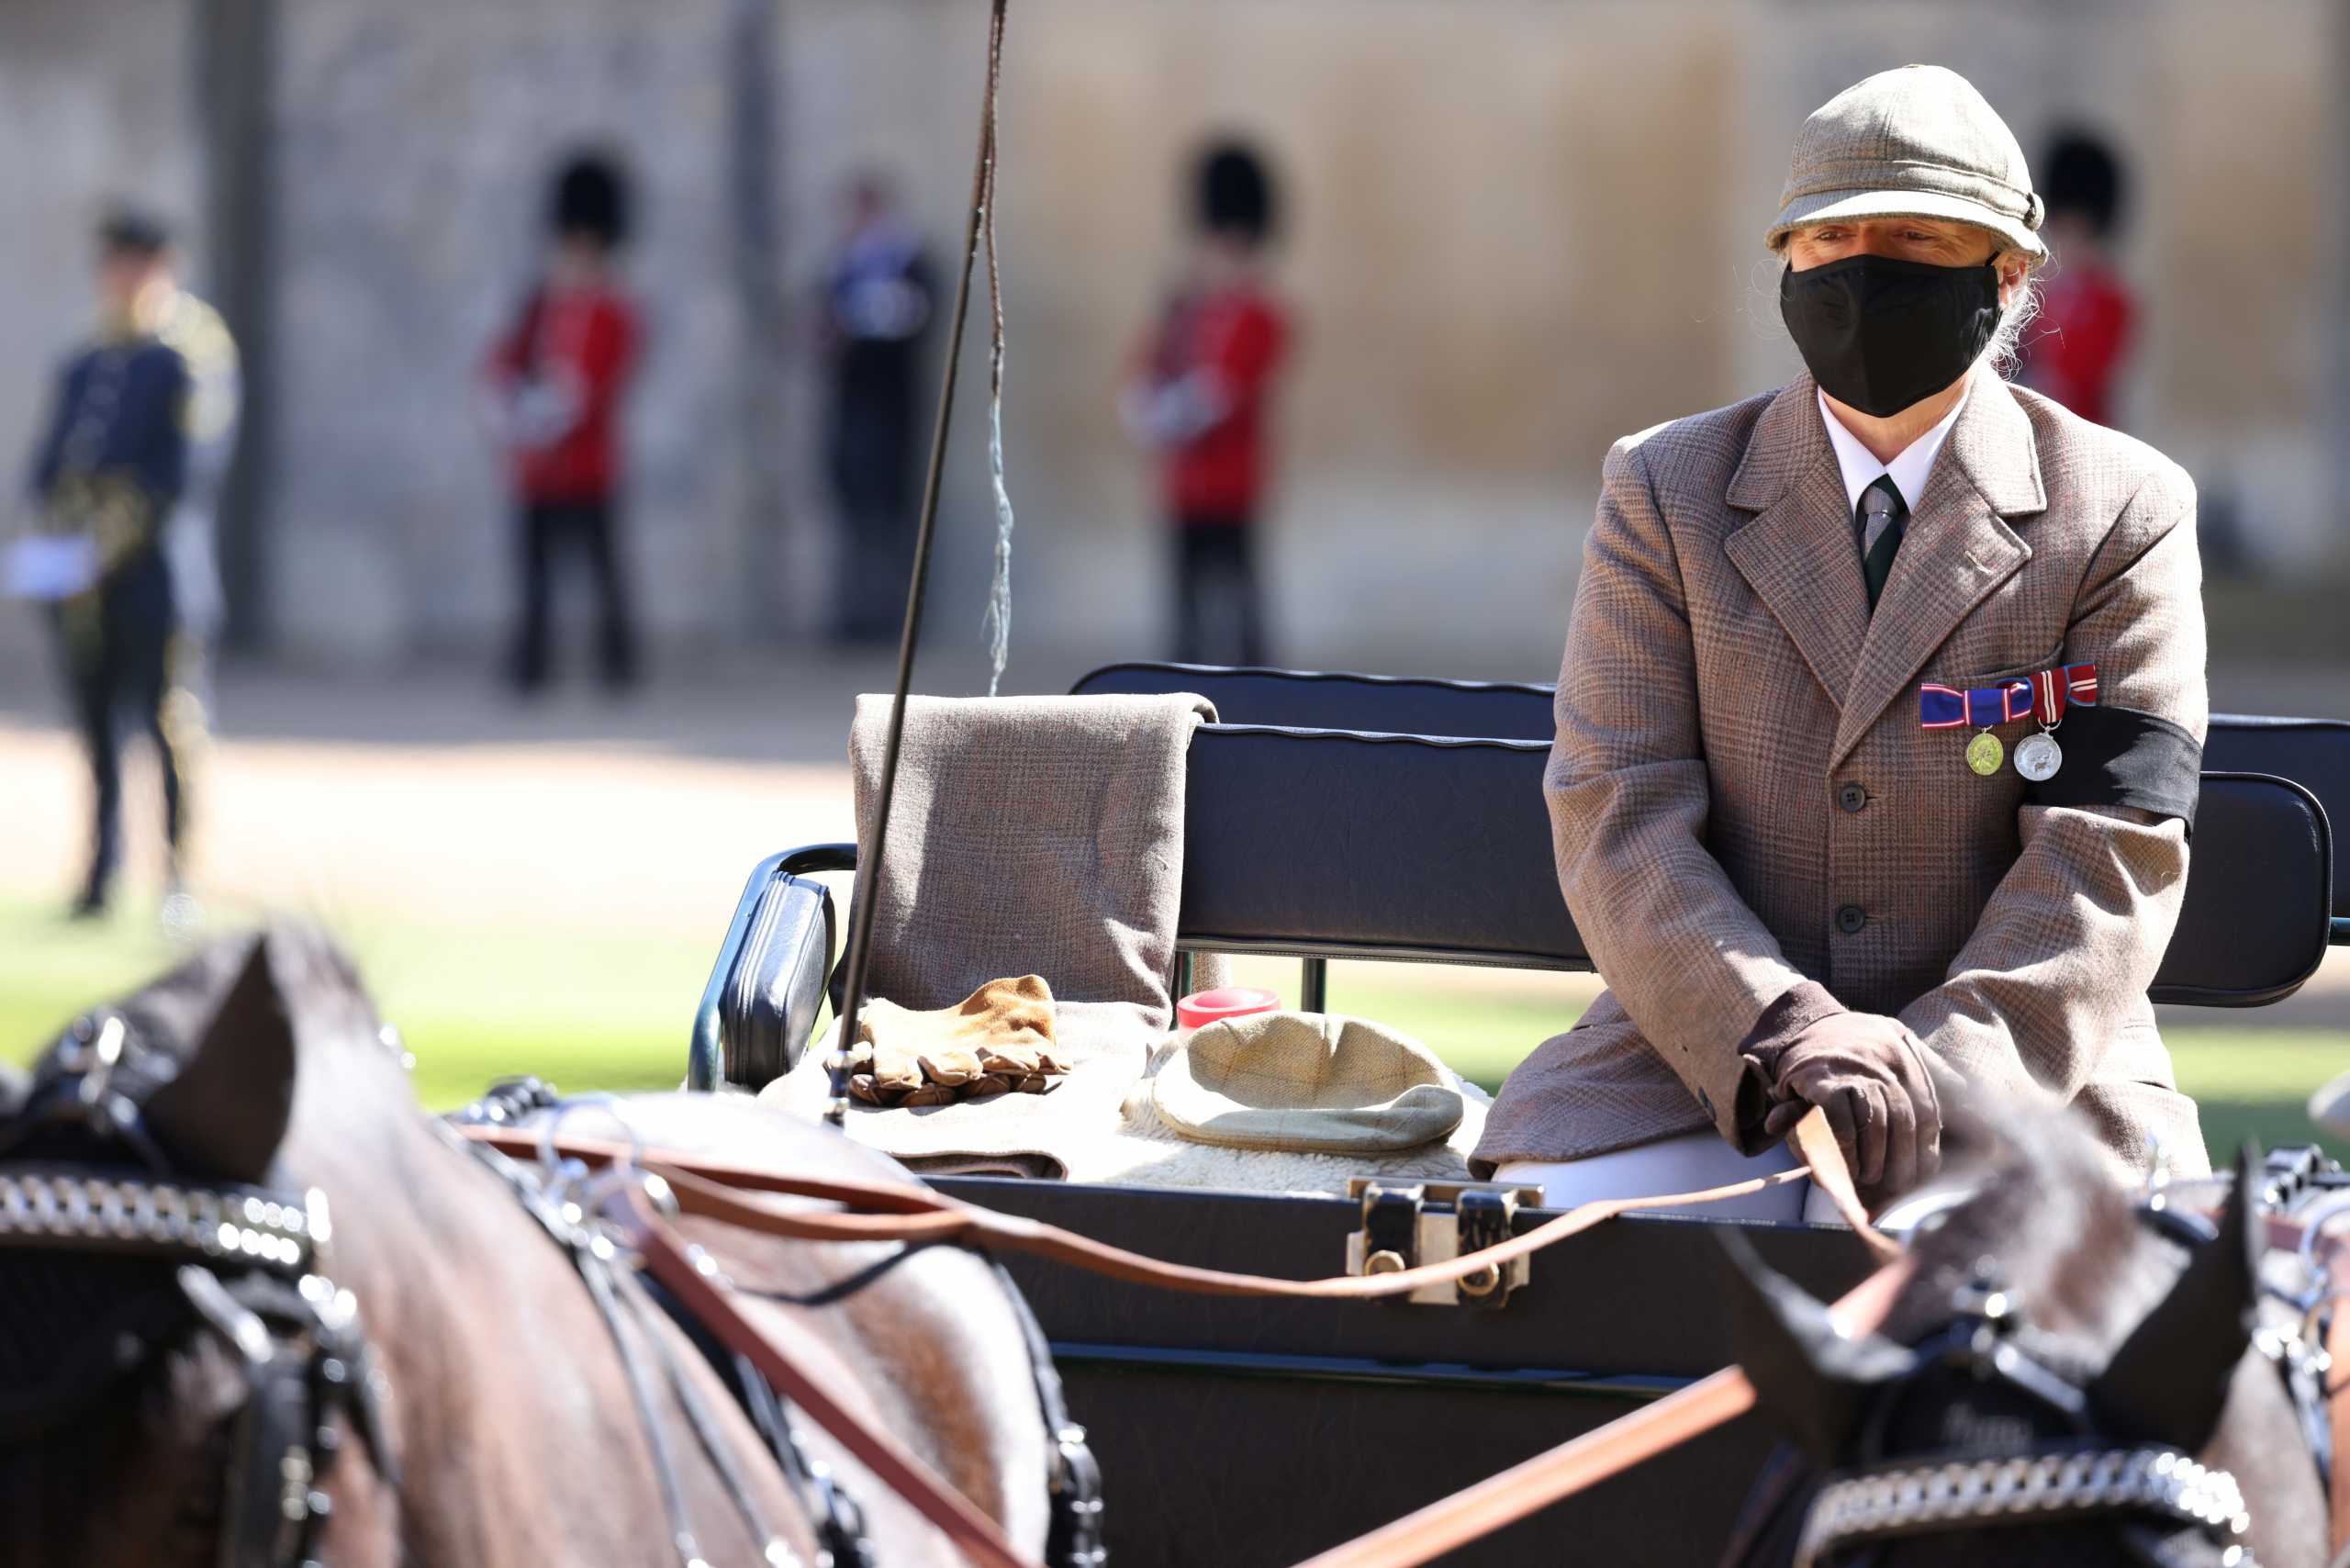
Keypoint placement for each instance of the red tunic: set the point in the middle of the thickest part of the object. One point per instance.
(580, 344)
(2075, 350)
(1238, 337)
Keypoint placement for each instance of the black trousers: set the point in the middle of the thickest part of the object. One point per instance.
(549, 529)
(123, 657)
(1216, 566)
(878, 527)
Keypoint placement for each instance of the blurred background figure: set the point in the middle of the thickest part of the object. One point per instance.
(2076, 350)
(122, 487)
(878, 298)
(1199, 402)
(555, 383)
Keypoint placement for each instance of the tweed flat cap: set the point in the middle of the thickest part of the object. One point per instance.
(1306, 1081)
(1916, 142)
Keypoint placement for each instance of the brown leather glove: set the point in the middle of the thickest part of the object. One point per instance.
(1872, 1077)
(997, 1040)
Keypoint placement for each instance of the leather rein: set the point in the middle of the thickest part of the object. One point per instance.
(641, 1213)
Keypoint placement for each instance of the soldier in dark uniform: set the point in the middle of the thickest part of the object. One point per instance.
(111, 470)
(878, 302)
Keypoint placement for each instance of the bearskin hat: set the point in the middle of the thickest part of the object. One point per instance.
(591, 199)
(1236, 193)
(2082, 176)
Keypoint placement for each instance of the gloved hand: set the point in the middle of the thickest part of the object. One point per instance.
(1872, 1077)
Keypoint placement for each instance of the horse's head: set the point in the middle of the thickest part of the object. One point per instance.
(2069, 1377)
(177, 1363)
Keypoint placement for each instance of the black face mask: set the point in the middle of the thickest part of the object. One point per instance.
(1879, 333)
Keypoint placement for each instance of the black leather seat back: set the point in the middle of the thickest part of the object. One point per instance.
(1328, 841)
(1346, 844)
(2312, 753)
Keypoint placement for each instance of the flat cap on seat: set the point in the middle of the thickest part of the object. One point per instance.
(1307, 1081)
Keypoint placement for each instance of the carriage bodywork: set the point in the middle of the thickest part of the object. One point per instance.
(1347, 817)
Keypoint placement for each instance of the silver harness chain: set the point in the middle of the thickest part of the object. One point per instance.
(1904, 1500)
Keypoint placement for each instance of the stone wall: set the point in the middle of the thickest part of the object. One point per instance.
(1522, 229)
(1518, 229)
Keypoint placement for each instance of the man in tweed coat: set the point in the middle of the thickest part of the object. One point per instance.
(1797, 894)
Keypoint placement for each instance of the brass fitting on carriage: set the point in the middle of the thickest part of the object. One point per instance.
(1408, 1224)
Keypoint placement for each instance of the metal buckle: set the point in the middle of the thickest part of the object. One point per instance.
(1407, 1224)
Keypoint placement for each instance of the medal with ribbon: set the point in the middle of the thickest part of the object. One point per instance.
(2038, 758)
(1982, 709)
(2042, 695)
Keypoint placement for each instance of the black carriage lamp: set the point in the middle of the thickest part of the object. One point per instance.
(979, 226)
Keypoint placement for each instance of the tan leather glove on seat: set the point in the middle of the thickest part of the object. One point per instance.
(997, 1040)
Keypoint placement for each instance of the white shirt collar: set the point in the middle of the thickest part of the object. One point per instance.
(1910, 467)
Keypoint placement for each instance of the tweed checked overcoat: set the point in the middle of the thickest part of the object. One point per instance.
(1724, 686)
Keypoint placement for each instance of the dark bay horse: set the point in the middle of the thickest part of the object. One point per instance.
(2060, 1353)
(503, 1429)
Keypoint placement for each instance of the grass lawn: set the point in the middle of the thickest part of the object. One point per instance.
(603, 1011)
(585, 1011)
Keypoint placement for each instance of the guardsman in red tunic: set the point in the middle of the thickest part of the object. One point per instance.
(1199, 401)
(555, 383)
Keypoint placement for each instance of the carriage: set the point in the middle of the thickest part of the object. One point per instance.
(1342, 817)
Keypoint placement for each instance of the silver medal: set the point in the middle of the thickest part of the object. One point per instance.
(2038, 758)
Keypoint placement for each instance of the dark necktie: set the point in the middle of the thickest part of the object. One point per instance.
(1881, 515)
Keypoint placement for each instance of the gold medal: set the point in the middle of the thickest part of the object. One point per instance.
(1984, 754)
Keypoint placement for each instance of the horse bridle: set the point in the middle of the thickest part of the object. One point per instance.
(247, 1263)
(2169, 1511)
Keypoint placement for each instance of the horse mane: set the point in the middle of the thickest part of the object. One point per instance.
(2049, 1223)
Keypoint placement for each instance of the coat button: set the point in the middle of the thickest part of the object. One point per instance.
(1851, 797)
(1851, 918)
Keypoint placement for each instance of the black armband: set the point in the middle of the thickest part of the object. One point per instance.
(2118, 756)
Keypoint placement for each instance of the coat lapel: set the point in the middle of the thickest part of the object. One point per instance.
(1798, 552)
(1956, 549)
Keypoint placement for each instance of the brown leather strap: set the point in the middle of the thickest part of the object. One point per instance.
(2288, 1234)
(712, 1304)
(970, 1223)
(1582, 1462)
(711, 1189)
(1815, 1144)
(2337, 1395)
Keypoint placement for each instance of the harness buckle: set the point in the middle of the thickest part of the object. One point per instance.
(1409, 1225)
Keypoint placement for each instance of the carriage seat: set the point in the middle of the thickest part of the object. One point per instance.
(1322, 844)
(2312, 753)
